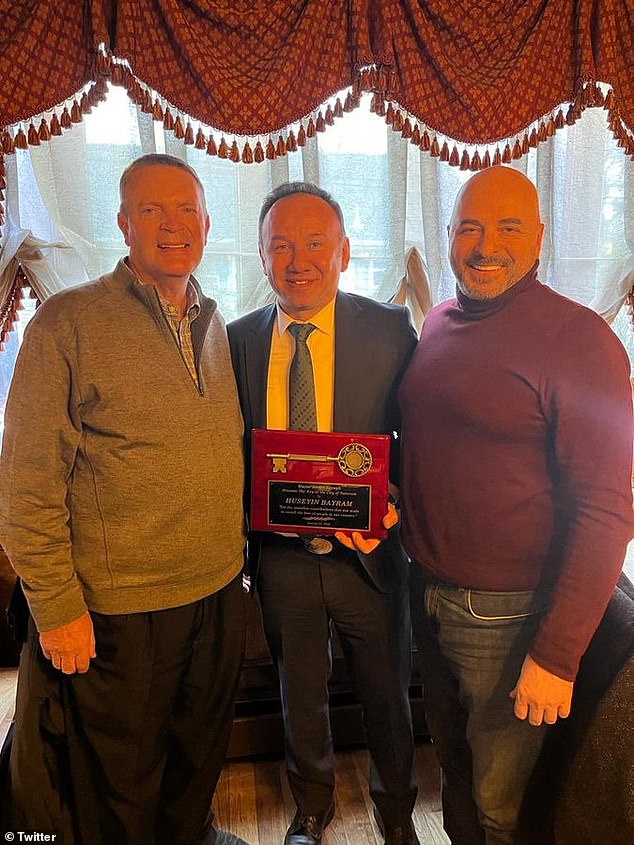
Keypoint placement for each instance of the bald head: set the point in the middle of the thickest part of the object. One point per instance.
(495, 233)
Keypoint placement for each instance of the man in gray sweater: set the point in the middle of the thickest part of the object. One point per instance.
(121, 482)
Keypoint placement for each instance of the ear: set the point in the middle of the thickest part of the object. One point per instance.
(345, 254)
(263, 260)
(122, 222)
(540, 238)
(207, 226)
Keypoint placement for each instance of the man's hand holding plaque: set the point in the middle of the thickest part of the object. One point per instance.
(366, 545)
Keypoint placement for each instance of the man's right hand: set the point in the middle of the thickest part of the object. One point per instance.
(70, 647)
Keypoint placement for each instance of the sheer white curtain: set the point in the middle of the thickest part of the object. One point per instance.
(393, 196)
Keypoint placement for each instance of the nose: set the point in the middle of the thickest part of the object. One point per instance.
(299, 259)
(489, 243)
(170, 220)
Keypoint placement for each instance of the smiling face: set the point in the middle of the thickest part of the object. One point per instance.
(165, 225)
(303, 251)
(495, 234)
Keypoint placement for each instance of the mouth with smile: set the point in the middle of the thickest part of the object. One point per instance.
(173, 246)
(299, 282)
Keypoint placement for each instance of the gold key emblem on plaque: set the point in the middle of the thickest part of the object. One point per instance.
(353, 460)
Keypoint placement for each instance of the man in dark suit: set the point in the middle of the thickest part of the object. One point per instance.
(358, 351)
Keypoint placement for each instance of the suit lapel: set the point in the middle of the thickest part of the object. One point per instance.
(351, 376)
(257, 349)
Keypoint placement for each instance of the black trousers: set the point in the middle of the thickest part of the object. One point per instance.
(130, 753)
(302, 596)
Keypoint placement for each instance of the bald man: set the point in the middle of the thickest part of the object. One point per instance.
(516, 502)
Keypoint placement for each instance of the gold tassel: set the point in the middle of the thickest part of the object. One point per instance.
(146, 105)
(454, 158)
(348, 105)
(179, 132)
(104, 64)
(559, 120)
(258, 153)
(66, 121)
(8, 144)
(201, 141)
(517, 150)
(434, 149)
(234, 154)
(476, 164)
(44, 132)
(247, 154)
(444, 152)
(310, 129)
(291, 142)
(281, 147)
(390, 114)
(223, 149)
(189, 134)
(542, 134)
(329, 118)
(20, 141)
(320, 125)
(525, 144)
(506, 155)
(486, 161)
(168, 120)
(100, 90)
(550, 127)
(270, 150)
(212, 150)
(397, 123)
(338, 111)
(425, 143)
(497, 158)
(33, 137)
(532, 141)
(377, 105)
(84, 104)
(301, 136)
(465, 161)
(75, 113)
(415, 136)
(157, 110)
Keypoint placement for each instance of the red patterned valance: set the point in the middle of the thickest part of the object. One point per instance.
(474, 72)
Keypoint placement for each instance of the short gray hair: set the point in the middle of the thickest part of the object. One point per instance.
(287, 189)
(150, 160)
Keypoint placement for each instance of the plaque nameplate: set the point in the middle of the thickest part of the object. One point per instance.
(319, 482)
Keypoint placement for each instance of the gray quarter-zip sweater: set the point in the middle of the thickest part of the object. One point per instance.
(120, 480)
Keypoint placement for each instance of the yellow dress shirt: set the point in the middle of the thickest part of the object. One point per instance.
(321, 344)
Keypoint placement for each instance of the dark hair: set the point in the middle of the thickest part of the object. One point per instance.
(287, 189)
(150, 160)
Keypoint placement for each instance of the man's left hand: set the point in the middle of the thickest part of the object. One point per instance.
(358, 543)
(540, 695)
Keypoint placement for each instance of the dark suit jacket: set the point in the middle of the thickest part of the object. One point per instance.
(373, 345)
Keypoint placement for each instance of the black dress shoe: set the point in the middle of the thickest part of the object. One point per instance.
(402, 833)
(308, 830)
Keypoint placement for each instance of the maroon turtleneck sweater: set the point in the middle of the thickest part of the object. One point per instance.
(517, 446)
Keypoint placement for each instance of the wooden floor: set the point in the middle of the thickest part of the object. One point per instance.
(254, 803)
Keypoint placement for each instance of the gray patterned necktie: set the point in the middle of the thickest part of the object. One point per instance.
(302, 408)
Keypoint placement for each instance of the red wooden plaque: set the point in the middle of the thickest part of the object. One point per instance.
(309, 482)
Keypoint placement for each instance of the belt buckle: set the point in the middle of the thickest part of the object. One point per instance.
(317, 545)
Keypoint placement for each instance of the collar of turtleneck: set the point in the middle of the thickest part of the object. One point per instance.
(475, 309)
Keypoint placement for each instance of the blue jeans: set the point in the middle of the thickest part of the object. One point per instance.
(473, 644)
